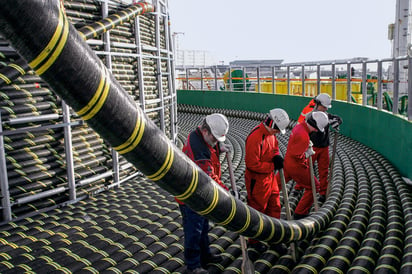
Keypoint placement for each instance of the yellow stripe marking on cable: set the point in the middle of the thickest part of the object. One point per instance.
(319, 257)
(260, 227)
(103, 26)
(342, 258)
(57, 52)
(281, 267)
(135, 137)
(52, 51)
(25, 267)
(18, 68)
(325, 247)
(360, 268)
(334, 269)
(7, 264)
(110, 21)
(125, 15)
(91, 29)
(5, 78)
(98, 99)
(83, 36)
(231, 215)
(214, 201)
(292, 234)
(272, 226)
(193, 184)
(247, 223)
(120, 18)
(386, 266)
(51, 45)
(165, 167)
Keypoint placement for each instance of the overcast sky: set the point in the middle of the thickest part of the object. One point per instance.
(292, 30)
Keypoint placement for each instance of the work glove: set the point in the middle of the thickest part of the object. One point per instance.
(224, 147)
(278, 161)
(335, 121)
(310, 150)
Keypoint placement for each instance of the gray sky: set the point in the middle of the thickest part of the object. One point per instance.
(292, 30)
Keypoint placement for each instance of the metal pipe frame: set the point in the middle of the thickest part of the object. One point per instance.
(4, 183)
(409, 89)
(303, 80)
(273, 71)
(318, 79)
(106, 42)
(349, 64)
(379, 91)
(333, 83)
(33, 119)
(395, 99)
(68, 148)
(348, 82)
(364, 85)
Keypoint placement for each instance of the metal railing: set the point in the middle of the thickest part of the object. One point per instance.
(378, 83)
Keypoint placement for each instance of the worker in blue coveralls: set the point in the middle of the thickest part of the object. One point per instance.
(203, 146)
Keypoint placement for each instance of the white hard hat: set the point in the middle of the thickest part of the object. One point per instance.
(318, 120)
(219, 126)
(280, 119)
(324, 100)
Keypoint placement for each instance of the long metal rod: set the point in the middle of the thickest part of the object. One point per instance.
(312, 181)
(331, 163)
(33, 119)
(395, 100)
(318, 79)
(333, 83)
(273, 80)
(410, 89)
(94, 178)
(68, 145)
(303, 80)
(244, 78)
(40, 195)
(159, 71)
(108, 58)
(348, 83)
(171, 78)
(379, 87)
(4, 183)
(288, 79)
(247, 265)
(39, 128)
(364, 85)
(288, 210)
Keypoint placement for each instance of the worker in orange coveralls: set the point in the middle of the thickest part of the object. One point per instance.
(262, 158)
(296, 164)
(320, 140)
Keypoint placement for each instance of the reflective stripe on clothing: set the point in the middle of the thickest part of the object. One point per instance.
(306, 110)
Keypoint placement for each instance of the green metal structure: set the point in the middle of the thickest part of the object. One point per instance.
(382, 131)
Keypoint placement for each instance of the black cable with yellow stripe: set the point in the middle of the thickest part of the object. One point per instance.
(59, 54)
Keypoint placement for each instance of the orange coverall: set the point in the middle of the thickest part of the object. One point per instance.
(261, 184)
(296, 166)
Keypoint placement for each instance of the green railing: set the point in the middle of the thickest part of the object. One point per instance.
(390, 135)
